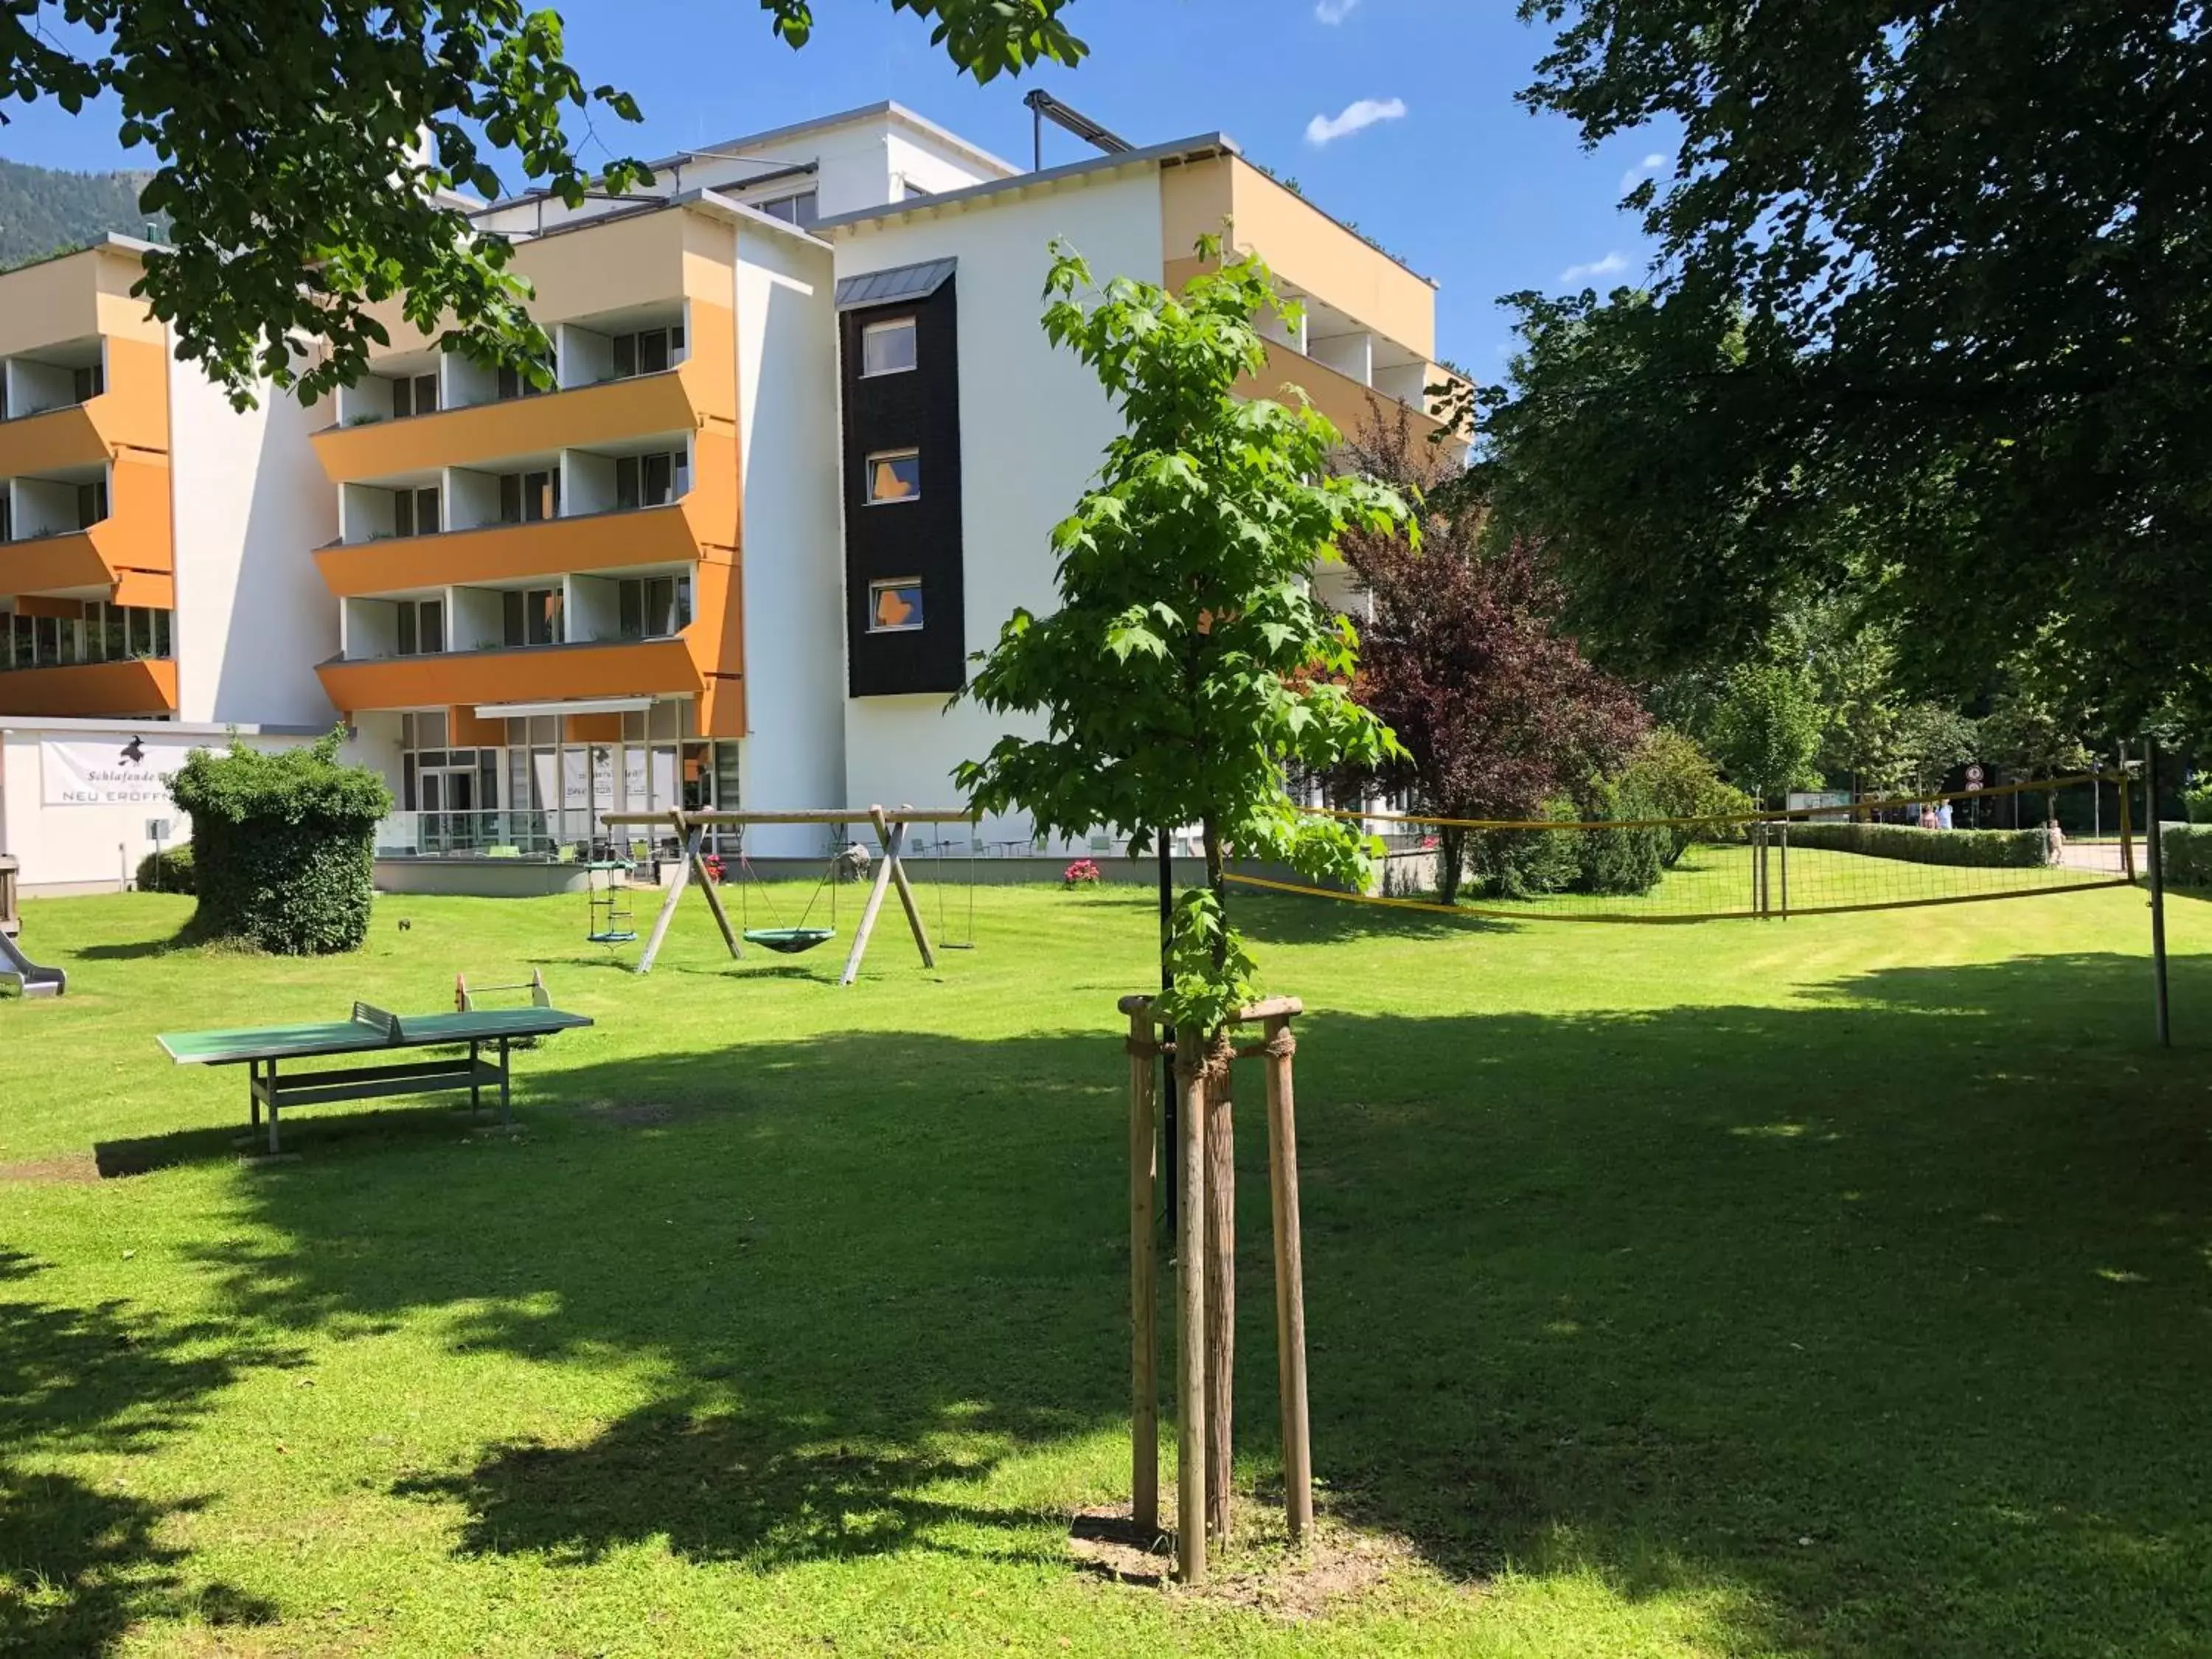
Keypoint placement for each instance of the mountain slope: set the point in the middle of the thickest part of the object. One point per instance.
(42, 209)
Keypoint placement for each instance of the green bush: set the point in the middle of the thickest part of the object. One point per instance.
(1681, 780)
(283, 846)
(2186, 850)
(1520, 864)
(2017, 849)
(169, 870)
(2197, 801)
(1625, 860)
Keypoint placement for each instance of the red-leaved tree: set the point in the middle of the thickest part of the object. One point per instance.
(1496, 710)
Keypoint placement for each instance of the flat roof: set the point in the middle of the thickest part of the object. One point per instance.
(729, 148)
(1197, 149)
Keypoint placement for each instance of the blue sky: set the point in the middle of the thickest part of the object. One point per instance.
(1450, 172)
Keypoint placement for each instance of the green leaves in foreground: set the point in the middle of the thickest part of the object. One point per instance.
(1189, 667)
(307, 153)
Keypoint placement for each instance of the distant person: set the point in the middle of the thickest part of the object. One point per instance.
(2054, 843)
(1943, 816)
(1928, 820)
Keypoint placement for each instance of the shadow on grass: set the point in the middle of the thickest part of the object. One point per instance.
(80, 1564)
(1877, 1319)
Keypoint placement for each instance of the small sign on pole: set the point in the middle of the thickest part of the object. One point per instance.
(1975, 776)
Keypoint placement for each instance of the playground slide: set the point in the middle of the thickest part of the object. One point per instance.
(36, 982)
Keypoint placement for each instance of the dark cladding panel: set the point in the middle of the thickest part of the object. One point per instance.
(905, 616)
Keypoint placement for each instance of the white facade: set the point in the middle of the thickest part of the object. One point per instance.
(794, 619)
(248, 505)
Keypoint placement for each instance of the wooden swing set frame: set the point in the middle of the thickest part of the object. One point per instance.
(891, 824)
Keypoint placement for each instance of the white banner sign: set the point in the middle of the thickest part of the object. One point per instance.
(124, 770)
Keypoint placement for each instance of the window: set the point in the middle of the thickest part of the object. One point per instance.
(421, 627)
(90, 382)
(533, 616)
(513, 383)
(654, 607)
(894, 606)
(649, 352)
(894, 475)
(651, 480)
(91, 504)
(529, 497)
(413, 394)
(7, 519)
(415, 512)
(803, 209)
(887, 348)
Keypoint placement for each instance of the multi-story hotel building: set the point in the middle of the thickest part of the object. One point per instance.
(802, 452)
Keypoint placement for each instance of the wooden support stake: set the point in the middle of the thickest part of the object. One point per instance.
(1289, 1280)
(695, 855)
(668, 901)
(1144, 1293)
(906, 893)
(892, 843)
(1190, 1310)
(1220, 1295)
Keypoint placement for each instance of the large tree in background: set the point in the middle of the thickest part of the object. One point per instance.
(1931, 322)
(1496, 712)
(300, 147)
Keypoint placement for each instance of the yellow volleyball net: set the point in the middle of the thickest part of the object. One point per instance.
(1837, 855)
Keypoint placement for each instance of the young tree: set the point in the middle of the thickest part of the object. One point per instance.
(1766, 728)
(1931, 301)
(1927, 741)
(1188, 666)
(302, 146)
(1496, 712)
(1188, 663)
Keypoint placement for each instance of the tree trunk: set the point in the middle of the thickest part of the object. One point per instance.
(1220, 1345)
(1451, 858)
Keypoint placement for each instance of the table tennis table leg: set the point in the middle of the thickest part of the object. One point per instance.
(475, 1088)
(506, 1110)
(269, 1082)
(253, 1097)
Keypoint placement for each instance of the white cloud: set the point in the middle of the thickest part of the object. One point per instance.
(1326, 130)
(1635, 175)
(1334, 11)
(1612, 265)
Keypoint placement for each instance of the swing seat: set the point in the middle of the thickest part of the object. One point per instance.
(619, 936)
(789, 941)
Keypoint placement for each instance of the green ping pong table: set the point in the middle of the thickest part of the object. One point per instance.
(371, 1030)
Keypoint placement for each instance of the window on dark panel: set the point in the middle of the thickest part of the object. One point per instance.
(654, 607)
(413, 394)
(888, 347)
(894, 606)
(513, 383)
(533, 616)
(894, 475)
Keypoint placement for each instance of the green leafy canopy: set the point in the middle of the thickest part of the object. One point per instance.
(306, 150)
(1189, 664)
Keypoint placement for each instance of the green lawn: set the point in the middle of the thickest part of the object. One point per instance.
(1828, 1287)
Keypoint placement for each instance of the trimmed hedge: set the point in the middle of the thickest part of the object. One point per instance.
(2186, 851)
(283, 846)
(2014, 850)
(169, 870)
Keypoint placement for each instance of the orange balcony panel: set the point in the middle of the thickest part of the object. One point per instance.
(681, 400)
(507, 552)
(91, 689)
(133, 413)
(1343, 399)
(544, 673)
